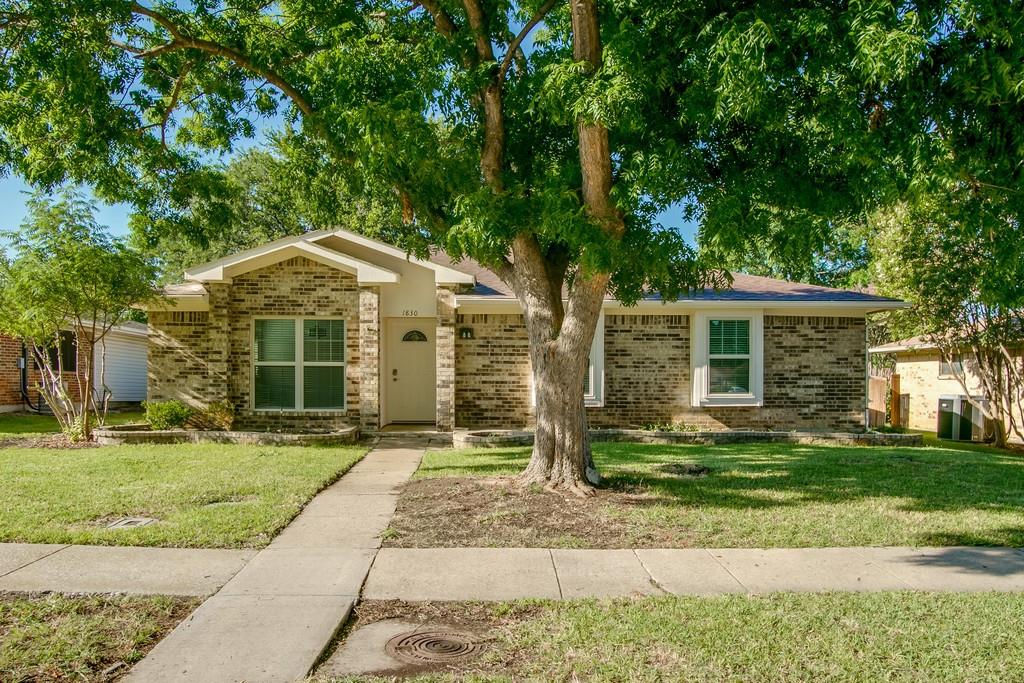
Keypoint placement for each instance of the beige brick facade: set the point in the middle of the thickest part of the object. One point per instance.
(369, 371)
(199, 357)
(813, 366)
(813, 374)
(446, 372)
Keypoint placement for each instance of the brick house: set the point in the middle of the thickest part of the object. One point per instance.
(927, 379)
(124, 354)
(332, 328)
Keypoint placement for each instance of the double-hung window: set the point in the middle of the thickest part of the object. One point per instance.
(298, 364)
(727, 358)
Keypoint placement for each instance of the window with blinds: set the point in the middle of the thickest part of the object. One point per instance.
(728, 356)
(299, 364)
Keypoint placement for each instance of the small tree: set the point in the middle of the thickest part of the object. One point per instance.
(64, 271)
(956, 256)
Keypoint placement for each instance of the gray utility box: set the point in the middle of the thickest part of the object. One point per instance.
(959, 419)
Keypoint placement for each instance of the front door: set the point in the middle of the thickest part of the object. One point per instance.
(410, 370)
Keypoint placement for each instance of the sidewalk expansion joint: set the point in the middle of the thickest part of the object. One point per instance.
(38, 559)
(727, 570)
(650, 576)
(554, 568)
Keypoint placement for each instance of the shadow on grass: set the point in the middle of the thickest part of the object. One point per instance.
(926, 479)
(786, 476)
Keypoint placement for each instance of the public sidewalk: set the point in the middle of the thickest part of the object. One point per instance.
(273, 620)
(39, 567)
(418, 574)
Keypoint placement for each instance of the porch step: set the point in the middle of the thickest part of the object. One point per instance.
(409, 439)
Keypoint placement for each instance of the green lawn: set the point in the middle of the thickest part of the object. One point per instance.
(205, 495)
(30, 424)
(59, 638)
(780, 638)
(776, 495)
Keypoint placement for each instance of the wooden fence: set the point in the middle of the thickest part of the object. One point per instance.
(878, 387)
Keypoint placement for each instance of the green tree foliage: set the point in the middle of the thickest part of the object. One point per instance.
(772, 121)
(959, 259)
(266, 196)
(63, 272)
(842, 261)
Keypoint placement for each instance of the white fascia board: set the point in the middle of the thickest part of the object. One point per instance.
(366, 273)
(443, 275)
(484, 304)
(206, 272)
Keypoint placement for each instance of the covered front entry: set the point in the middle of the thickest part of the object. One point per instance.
(410, 370)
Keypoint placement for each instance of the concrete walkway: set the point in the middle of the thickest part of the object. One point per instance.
(273, 620)
(417, 574)
(37, 567)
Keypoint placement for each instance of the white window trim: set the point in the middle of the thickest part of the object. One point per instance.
(699, 360)
(595, 398)
(298, 364)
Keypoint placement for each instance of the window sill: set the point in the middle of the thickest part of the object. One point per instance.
(739, 401)
(593, 403)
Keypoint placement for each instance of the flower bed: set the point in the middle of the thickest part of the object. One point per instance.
(143, 434)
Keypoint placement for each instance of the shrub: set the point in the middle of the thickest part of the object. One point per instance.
(670, 427)
(219, 415)
(166, 414)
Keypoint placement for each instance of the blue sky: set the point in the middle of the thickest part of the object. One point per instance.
(14, 192)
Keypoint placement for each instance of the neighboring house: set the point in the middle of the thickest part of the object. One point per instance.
(124, 354)
(927, 379)
(332, 328)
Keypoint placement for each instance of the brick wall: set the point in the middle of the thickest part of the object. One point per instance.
(813, 374)
(199, 357)
(492, 372)
(10, 374)
(646, 370)
(178, 358)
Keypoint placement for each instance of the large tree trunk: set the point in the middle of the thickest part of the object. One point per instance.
(561, 333)
(561, 457)
(560, 337)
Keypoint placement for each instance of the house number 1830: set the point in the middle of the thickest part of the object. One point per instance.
(410, 313)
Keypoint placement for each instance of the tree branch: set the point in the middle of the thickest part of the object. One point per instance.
(442, 20)
(182, 41)
(175, 92)
(513, 47)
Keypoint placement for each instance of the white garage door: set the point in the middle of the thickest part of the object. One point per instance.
(126, 361)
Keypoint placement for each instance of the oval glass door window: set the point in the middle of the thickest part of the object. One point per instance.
(414, 336)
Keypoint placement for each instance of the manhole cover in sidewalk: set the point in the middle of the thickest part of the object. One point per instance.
(434, 647)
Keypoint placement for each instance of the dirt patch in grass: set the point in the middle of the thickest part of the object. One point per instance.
(684, 469)
(51, 637)
(57, 441)
(469, 512)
